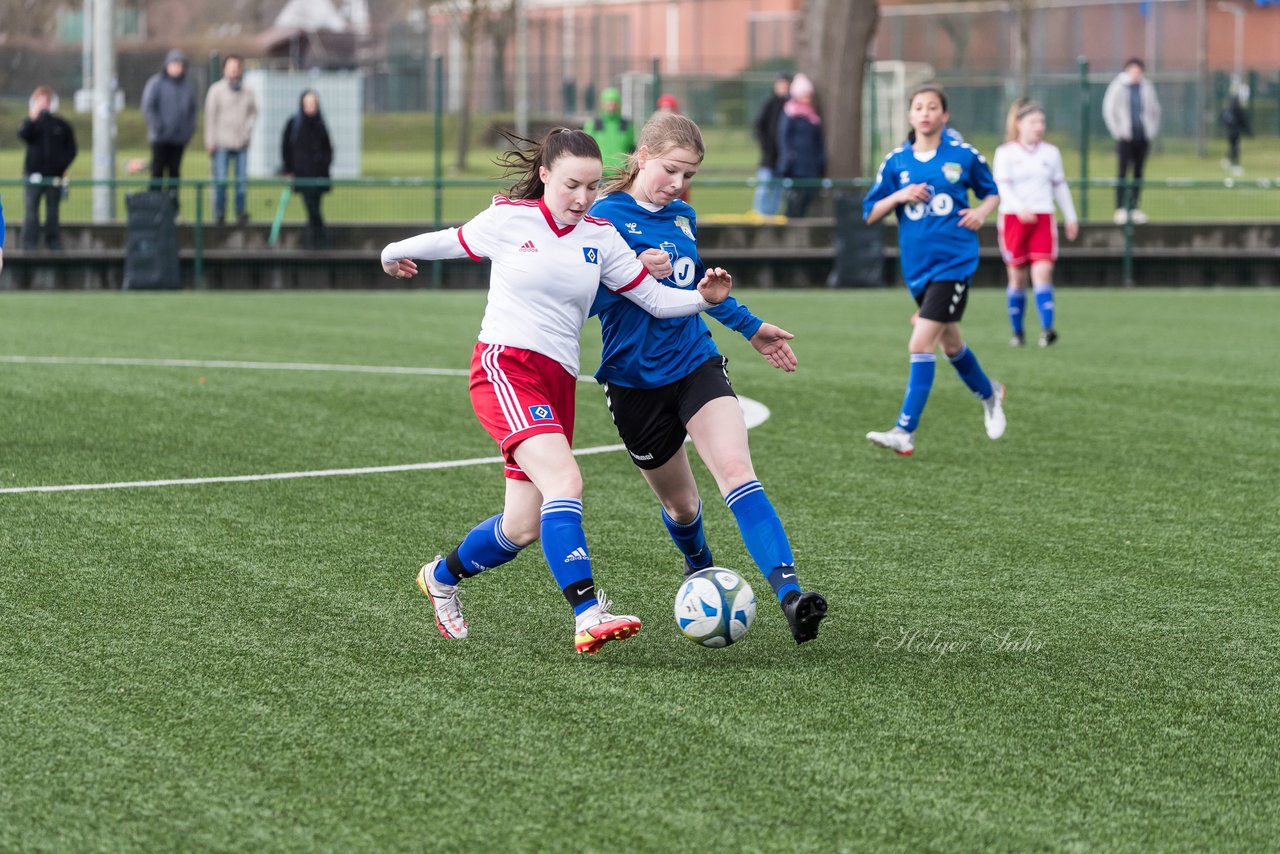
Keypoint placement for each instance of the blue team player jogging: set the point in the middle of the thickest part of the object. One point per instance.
(926, 183)
(664, 379)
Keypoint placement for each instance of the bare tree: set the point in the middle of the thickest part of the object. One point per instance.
(501, 26)
(1024, 10)
(835, 41)
(27, 19)
(467, 19)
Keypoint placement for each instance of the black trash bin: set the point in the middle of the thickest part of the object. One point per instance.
(859, 248)
(151, 243)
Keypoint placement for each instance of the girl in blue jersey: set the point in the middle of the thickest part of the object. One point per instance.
(926, 183)
(665, 380)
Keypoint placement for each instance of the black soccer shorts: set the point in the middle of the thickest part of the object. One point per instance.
(651, 421)
(944, 301)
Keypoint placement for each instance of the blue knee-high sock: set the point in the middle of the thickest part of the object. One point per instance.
(1044, 303)
(564, 544)
(483, 548)
(966, 365)
(764, 536)
(690, 539)
(1017, 308)
(919, 383)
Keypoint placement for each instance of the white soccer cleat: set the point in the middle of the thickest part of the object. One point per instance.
(1121, 216)
(897, 440)
(993, 411)
(449, 619)
(1139, 218)
(596, 626)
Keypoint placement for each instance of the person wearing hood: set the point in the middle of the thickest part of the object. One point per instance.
(307, 153)
(169, 106)
(802, 153)
(51, 147)
(230, 111)
(768, 197)
(612, 132)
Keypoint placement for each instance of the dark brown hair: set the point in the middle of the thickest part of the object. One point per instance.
(525, 157)
(926, 89)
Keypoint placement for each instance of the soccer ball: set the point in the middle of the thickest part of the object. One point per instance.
(715, 607)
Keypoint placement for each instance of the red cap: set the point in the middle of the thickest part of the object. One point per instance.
(668, 101)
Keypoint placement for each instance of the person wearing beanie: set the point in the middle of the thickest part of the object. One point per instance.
(667, 103)
(768, 196)
(169, 106)
(612, 132)
(802, 153)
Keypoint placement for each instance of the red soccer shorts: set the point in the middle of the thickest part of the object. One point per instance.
(1023, 243)
(519, 393)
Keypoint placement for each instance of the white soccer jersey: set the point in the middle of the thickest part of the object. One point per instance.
(1031, 179)
(545, 275)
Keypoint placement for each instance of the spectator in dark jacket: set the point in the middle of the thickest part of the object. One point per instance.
(1235, 121)
(768, 193)
(169, 106)
(51, 147)
(307, 154)
(802, 154)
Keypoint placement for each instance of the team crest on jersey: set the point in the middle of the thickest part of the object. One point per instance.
(541, 412)
(951, 171)
(591, 255)
(682, 223)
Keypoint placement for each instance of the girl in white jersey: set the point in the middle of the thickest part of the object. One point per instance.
(1029, 174)
(549, 258)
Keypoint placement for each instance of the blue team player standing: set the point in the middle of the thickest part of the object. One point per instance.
(665, 379)
(926, 182)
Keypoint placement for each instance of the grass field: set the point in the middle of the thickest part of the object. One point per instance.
(236, 666)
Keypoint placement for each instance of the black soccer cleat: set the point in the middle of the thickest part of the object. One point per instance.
(1048, 337)
(1019, 339)
(804, 612)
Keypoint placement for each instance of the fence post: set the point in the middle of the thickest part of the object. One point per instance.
(657, 90)
(873, 154)
(437, 267)
(1130, 190)
(198, 269)
(1084, 138)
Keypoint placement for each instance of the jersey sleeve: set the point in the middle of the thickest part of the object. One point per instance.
(2, 224)
(736, 316)
(980, 178)
(1061, 192)
(620, 267)
(476, 240)
(886, 185)
(1001, 172)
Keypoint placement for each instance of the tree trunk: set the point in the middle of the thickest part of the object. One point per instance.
(835, 41)
(1024, 48)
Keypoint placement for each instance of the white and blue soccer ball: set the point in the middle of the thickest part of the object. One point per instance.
(715, 607)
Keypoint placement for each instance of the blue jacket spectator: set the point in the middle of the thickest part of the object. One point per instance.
(802, 153)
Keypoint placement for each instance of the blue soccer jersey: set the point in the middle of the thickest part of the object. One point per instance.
(643, 351)
(933, 245)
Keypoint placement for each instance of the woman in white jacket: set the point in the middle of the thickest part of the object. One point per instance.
(1132, 113)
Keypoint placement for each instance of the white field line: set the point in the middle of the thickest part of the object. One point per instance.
(756, 413)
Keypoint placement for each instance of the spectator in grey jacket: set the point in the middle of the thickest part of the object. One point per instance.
(1132, 113)
(169, 105)
(230, 111)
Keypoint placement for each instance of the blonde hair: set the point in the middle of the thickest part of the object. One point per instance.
(663, 133)
(1018, 111)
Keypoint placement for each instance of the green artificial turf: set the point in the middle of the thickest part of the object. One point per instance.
(1064, 640)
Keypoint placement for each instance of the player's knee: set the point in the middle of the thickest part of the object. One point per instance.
(682, 510)
(735, 473)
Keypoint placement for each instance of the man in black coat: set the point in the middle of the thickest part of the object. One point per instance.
(51, 147)
(769, 195)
